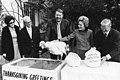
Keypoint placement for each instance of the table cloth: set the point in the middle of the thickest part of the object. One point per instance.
(107, 71)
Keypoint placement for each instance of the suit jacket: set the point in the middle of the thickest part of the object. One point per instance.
(7, 43)
(29, 47)
(52, 29)
(109, 45)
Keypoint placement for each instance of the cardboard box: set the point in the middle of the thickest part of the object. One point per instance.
(33, 69)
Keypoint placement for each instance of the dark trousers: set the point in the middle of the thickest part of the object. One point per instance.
(53, 56)
(33, 54)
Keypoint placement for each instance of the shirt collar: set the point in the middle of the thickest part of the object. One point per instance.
(28, 27)
(106, 32)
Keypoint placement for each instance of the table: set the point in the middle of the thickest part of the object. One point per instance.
(33, 69)
(107, 71)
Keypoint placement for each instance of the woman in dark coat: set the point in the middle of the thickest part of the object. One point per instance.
(10, 40)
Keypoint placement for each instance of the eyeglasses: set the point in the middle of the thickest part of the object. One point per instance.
(12, 22)
(28, 22)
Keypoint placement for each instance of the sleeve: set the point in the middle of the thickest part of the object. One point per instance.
(49, 32)
(67, 27)
(116, 45)
(67, 38)
(96, 41)
(22, 44)
(3, 42)
(38, 35)
(91, 39)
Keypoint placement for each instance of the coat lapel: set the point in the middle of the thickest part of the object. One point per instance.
(55, 26)
(9, 34)
(26, 32)
(33, 33)
(61, 25)
(109, 34)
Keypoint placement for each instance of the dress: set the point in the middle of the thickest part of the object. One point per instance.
(84, 41)
(7, 43)
(15, 44)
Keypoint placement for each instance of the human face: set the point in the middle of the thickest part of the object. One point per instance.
(106, 28)
(58, 16)
(81, 26)
(28, 24)
(12, 23)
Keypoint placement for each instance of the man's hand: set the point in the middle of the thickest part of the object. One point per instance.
(4, 55)
(23, 56)
(56, 40)
(103, 59)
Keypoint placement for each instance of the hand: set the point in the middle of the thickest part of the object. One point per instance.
(67, 48)
(42, 44)
(4, 55)
(56, 40)
(23, 56)
(103, 59)
(94, 47)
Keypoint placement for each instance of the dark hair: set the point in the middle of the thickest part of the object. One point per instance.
(60, 10)
(8, 19)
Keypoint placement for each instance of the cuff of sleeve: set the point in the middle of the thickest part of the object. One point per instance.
(58, 39)
(108, 56)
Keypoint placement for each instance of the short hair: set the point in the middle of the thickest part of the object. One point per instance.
(106, 21)
(59, 10)
(26, 19)
(84, 19)
(8, 19)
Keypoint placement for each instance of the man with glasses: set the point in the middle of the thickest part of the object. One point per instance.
(107, 41)
(29, 39)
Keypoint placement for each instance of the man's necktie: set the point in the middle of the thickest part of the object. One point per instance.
(30, 32)
(59, 31)
(105, 34)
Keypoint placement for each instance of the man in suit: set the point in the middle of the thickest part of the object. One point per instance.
(58, 28)
(107, 41)
(29, 39)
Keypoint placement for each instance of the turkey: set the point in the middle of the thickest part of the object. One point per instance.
(55, 47)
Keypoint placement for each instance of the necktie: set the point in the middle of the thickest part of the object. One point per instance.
(59, 31)
(30, 32)
(105, 34)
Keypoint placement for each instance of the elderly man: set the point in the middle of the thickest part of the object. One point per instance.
(107, 41)
(29, 39)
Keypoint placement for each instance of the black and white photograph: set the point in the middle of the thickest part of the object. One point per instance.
(59, 39)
